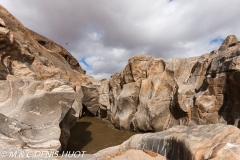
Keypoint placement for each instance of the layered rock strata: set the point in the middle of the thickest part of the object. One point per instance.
(23, 54)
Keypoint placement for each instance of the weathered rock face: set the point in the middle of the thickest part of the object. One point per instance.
(26, 53)
(151, 94)
(96, 98)
(40, 87)
(32, 110)
(132, 154)
(216, 141)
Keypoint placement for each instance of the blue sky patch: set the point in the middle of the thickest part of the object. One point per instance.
(217, 40)
(83, 60)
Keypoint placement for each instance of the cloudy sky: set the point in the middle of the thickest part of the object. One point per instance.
(104, 34)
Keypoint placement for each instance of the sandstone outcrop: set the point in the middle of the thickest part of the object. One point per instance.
(152, 94)
(213, 142)
(40, 98)
(23, 54)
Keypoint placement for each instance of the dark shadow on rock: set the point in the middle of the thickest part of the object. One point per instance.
(230, 109)
(80, 136)
(175, 109)
(86, 112)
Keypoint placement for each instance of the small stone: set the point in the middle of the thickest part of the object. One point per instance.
(3, 32)
(2, 23)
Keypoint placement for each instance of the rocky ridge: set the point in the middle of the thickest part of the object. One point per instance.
(41, 96)
(152, 94)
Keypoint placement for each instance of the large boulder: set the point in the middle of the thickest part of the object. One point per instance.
(31, 111)
(152, 94)
(213, 142)
(90, 99)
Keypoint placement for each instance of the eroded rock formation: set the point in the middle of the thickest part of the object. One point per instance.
(40, 84)
(152, 94)
(212, 142)
(133, 154)
(23, 55)
(43, 87)
(31, 111)
(96, 98)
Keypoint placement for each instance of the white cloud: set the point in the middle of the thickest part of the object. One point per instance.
(107, 33)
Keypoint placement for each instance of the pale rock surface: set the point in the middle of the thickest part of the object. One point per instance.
(42, 87)
(132, 154)
(40, 95)
(2, 23)
(152, 94)
(90, 98)
(31, 111)
(96, 98)
(215, 141)
(10, 149)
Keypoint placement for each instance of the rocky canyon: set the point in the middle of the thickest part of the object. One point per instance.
(190, 107)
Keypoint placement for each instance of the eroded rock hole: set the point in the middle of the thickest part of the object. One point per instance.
(43, 43)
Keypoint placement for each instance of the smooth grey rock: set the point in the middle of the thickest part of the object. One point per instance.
(90, 98)
(96, 98)
(31, 111)
(39, 110)
(132, 154)
(215, 141)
